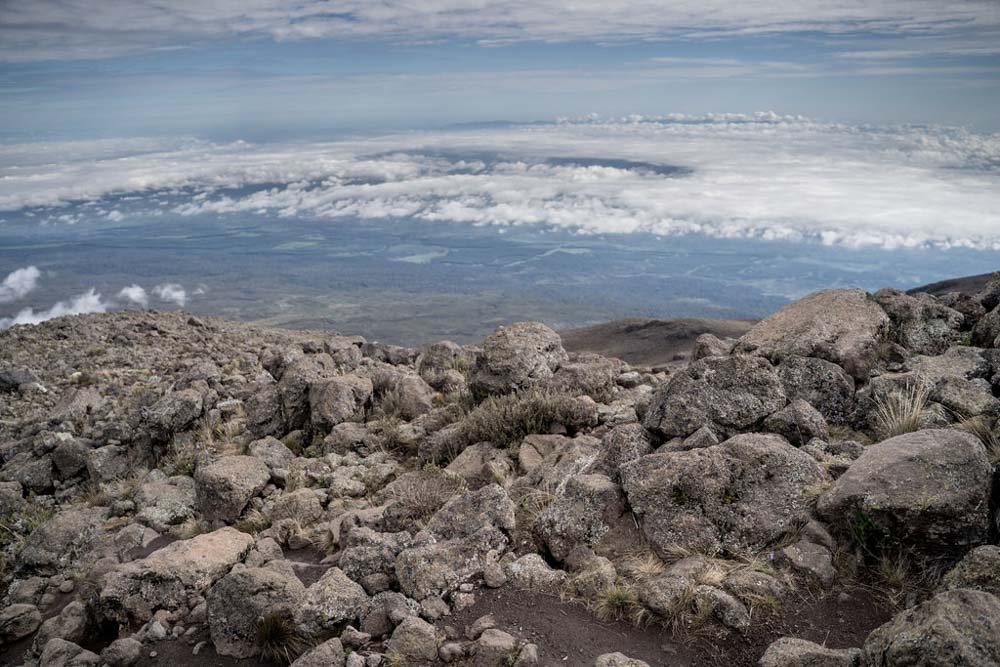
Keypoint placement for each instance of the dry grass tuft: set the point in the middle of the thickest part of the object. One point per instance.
(278, 638)
(505, 420)
(903, 410)
(983, 428)
(418, 495)
(619, 603)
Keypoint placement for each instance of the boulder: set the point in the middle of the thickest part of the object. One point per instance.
(123, 652)
(108, 463)
(174, 412)
(369, 558)
(273, 452)
(710, 345)
(960, 627)
(798, 422)
(515, 357)
(618, 660)
(61, 653)
(414, 641)
(225, 487)
(919, 322)
(329, 602)
(34, 473)
(338, 399)
(587, 510)
(724, 497)
(238, 601)
(928, 490)
(73, 623)
(163, 504)
(587, 374)
(823, 384)
(727, 394)
(843, 326)
(979, 570)
(301, 505)
(482, 464)
(169, 576)
(17, 621)
(986, 331)
(62, 540)
(621, 445)
(792, 652)
(328, 654)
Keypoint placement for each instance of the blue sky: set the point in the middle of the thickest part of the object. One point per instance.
(271, 69)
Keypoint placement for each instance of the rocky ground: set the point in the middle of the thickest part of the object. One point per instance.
(821, 491)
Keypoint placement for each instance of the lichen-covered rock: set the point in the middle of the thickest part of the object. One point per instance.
(238, 601)
(823, 384)
(332, 600)
(224, 488)
(414, 641)
(588, 374)
(61, 653)
(175, 412)
(531, 572)
(960, 627)
(328, 654)
(65, 538)
(169, 576)
(798, 422)
(17, 621)
(920, 322)
(301, 505)
(337, 399)
(721, 497)
(979, 569)
(517, 356)
(727, 394)
(586, 510)
(793, 652)
(123, 652)
(621, 445)
(843, 326)
(710, 345)
(928, 490)
(618, 660)
(165, 504)
(369, 558)
(108, 463)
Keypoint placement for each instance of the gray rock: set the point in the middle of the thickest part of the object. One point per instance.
(843, 326)
(619, 446)
(979, 570)
(338, 399)
(812, 560)
(61, 653)
(273, 452)
(710, 345)
(495, 648)
(332, 600)
(17, 621)
(123, 652)
(798, 422)
(34, 473)
(175, 412)
(328, 654)
(65, 538)
(727, 394)
(960, 627)
(413, 641)
(515, 357)
(162, 505)
(792, 652)
(72, 623)
(225, 487)
(727, 609)
(618, 660)
(823, 384)
(237, 602)
(167, 578)
(369, 558)
(721, 497)
(531, 572)
(108, 463)
(384, 611)
(586, 510)
(928, 490)
(70, 458)
(920, 323)
(986, 331)
(664, 594)
(302, 505)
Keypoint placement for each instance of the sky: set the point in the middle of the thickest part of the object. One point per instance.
(280, 69)
(846, 123)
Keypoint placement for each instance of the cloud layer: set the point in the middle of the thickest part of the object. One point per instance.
(763, 176)
(61, 29)
(19, 284)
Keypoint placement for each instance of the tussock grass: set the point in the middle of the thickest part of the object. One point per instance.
(983, 428)
(418, 495)
(505, 420)
(619, 603)
(903, 410)
(278, 638)
(252, 522)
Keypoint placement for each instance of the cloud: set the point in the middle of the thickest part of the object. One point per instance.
(88, 302)
(135, 294)
(171, 292)
(762, 176)
(19, 283)
(46, 29)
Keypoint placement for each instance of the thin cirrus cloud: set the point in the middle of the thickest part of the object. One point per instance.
(760, 176)
(46, 29)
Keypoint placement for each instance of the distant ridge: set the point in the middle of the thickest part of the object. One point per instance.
(968, 285)
(648, 342)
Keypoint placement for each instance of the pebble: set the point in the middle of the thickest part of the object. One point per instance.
(66, 586)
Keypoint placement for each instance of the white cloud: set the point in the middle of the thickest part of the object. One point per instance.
(55, 28)
(88, 302)
(171, 292)
(764, 176)
(135, 294)
(19, 283)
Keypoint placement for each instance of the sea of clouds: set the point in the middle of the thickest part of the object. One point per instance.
(761, 176)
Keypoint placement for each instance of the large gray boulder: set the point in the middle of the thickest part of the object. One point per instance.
(328, 654)
(823, 384)
(518, 356)
(457, 543)
(17, 621)
(843, 326)
(330, 602)
(225, 487)
(928, 490)
(726, 394)
(920, 323)
(584, 513)
(61, 653)
(240, 599)
(960, 627)
(724, 497)
(338, 399)
(979, 569)
(793, 652)
(68, 536)
(167, 578)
